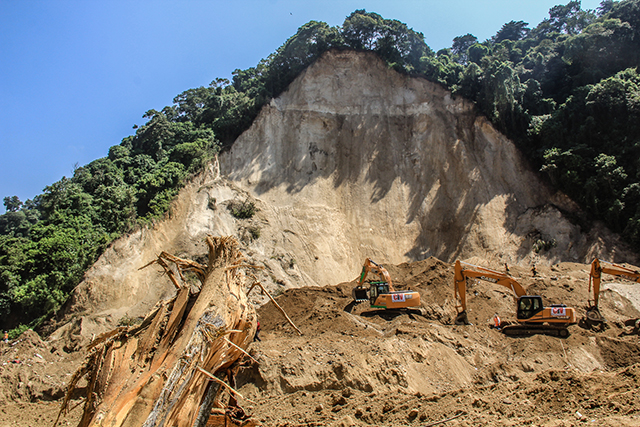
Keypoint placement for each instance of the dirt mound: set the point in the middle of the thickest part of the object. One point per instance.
(553, 398)
(33, 378)
(357, 366)
(362, 366)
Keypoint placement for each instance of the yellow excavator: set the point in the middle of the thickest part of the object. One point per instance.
(532, 316)
(597, 268)
(380, 293)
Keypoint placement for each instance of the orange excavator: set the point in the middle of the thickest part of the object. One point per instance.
(532, 316)
(381, 293)
(597, 268)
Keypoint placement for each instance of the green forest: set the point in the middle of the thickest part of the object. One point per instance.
(566, 91)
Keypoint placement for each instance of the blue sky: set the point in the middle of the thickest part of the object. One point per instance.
(76, 75)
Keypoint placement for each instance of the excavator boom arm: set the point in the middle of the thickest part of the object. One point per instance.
(461, 274)
(598, 267)
(373, 267)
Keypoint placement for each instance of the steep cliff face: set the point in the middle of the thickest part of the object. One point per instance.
(360, 161)
(354, 160)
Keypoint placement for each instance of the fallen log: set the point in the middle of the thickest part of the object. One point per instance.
(158, 373)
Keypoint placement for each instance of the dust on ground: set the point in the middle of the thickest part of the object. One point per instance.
(356, 366)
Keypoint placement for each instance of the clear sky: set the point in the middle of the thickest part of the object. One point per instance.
(76, 75)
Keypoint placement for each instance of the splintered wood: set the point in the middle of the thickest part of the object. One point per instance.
(159, 372)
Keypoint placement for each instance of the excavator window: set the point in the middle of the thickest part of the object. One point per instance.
(528, 306)
(377, 288)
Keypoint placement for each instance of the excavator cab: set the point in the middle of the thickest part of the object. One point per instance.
(528, 306)
(377, 288)
(362, 294)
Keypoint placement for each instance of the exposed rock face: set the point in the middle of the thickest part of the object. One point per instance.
(354, 160)
(372, 163)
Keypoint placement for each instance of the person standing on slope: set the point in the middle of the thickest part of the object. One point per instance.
(256, 337)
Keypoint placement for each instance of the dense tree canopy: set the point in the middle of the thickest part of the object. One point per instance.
(566, 91)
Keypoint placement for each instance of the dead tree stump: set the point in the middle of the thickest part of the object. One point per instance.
(158, 373)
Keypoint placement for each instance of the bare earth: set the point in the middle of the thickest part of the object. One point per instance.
(355, 160)
(374, 368)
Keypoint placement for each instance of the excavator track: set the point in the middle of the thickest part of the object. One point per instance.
(527, 330)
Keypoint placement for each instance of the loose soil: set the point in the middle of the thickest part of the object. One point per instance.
(356, 366)
(371, 367)
(355, 160)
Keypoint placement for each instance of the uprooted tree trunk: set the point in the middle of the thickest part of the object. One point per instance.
(165, 371)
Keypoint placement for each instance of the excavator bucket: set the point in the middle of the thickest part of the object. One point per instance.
(593, 315)
(461, 319)
(360, 294)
